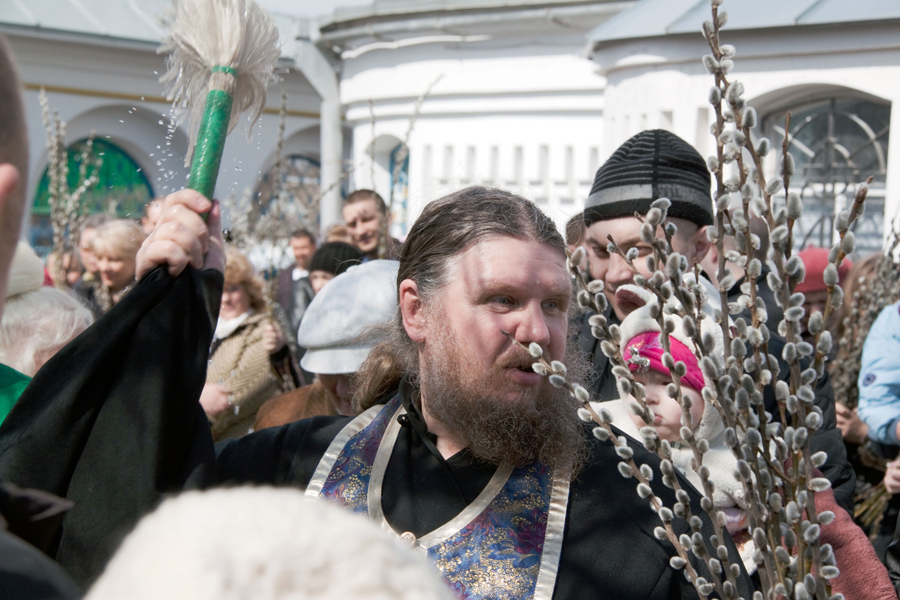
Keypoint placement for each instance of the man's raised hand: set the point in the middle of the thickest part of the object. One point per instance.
(182, 237)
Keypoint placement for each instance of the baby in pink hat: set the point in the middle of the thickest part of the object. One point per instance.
(643, 352)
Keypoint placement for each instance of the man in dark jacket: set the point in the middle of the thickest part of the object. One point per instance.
(658, 164)
(471, 457)
(294, 290)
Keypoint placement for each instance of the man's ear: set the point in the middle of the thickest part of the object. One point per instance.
(412, 310)
(700, 244)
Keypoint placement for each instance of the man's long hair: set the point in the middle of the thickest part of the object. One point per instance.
(446, 228)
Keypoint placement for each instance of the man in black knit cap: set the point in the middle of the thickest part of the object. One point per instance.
(659, 164)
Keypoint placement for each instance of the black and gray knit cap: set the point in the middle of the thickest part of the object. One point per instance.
(651, 165)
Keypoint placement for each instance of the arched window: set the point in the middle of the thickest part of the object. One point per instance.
(836, 142)
(122, 189)
(299, 179)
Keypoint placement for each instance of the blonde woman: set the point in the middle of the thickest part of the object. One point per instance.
(240, 379)
(114, 246)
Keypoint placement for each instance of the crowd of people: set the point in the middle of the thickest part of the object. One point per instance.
(395, 386)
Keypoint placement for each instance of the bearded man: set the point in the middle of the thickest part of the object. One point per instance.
(471, 457)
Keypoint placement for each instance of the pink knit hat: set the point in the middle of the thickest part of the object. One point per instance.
(645, 351)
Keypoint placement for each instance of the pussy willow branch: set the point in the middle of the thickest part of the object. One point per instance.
(635, 469)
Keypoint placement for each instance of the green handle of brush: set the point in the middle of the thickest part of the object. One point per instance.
(210, 142)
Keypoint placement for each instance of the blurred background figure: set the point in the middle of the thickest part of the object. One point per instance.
(294, 291)
(339, 329)
(710, 265)
(152, 213)
(251, 543)
(85, 251)
(240, 376)
(575, 236)
(37, 322)
(114, 247)
(365, 214)
(814, 289)
(71, 267)
(338, 233)
(329, 261)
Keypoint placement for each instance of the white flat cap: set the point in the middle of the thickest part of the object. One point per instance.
(331, 328)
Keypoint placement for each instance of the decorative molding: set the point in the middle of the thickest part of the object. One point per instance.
(59, 89)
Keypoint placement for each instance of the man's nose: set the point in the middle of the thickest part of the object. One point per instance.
(532, 326)
(618, 272)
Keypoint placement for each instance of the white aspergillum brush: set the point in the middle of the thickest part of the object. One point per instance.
(222, 55)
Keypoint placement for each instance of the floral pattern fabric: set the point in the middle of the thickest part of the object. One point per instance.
(497, 554)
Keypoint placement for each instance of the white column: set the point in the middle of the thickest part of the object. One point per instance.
(331, 147)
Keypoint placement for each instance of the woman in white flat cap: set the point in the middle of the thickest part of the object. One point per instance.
(338, 330)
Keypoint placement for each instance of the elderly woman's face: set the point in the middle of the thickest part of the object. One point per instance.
(115, 272)
(235, 301)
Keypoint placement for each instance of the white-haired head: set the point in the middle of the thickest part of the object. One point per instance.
(263, 544)
(37, 321)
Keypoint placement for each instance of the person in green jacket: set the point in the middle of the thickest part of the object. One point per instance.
(37, 321)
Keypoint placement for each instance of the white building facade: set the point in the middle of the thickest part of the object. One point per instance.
(511, 100)
(99, 67)
(834, 65)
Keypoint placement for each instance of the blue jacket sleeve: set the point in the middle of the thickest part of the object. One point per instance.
(879, 377)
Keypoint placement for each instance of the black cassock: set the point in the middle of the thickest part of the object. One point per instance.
(113, 424)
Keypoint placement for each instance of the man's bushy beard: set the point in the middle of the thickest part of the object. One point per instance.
(541, 427)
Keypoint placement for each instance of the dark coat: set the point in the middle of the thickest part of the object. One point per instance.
(828, 438)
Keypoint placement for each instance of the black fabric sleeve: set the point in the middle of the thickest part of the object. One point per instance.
(112, 422)
(286, 455)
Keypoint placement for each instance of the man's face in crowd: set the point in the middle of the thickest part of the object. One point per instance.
(475, 381)
(303, 249)
(363, 222)
(612, 268)
(491, 291)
